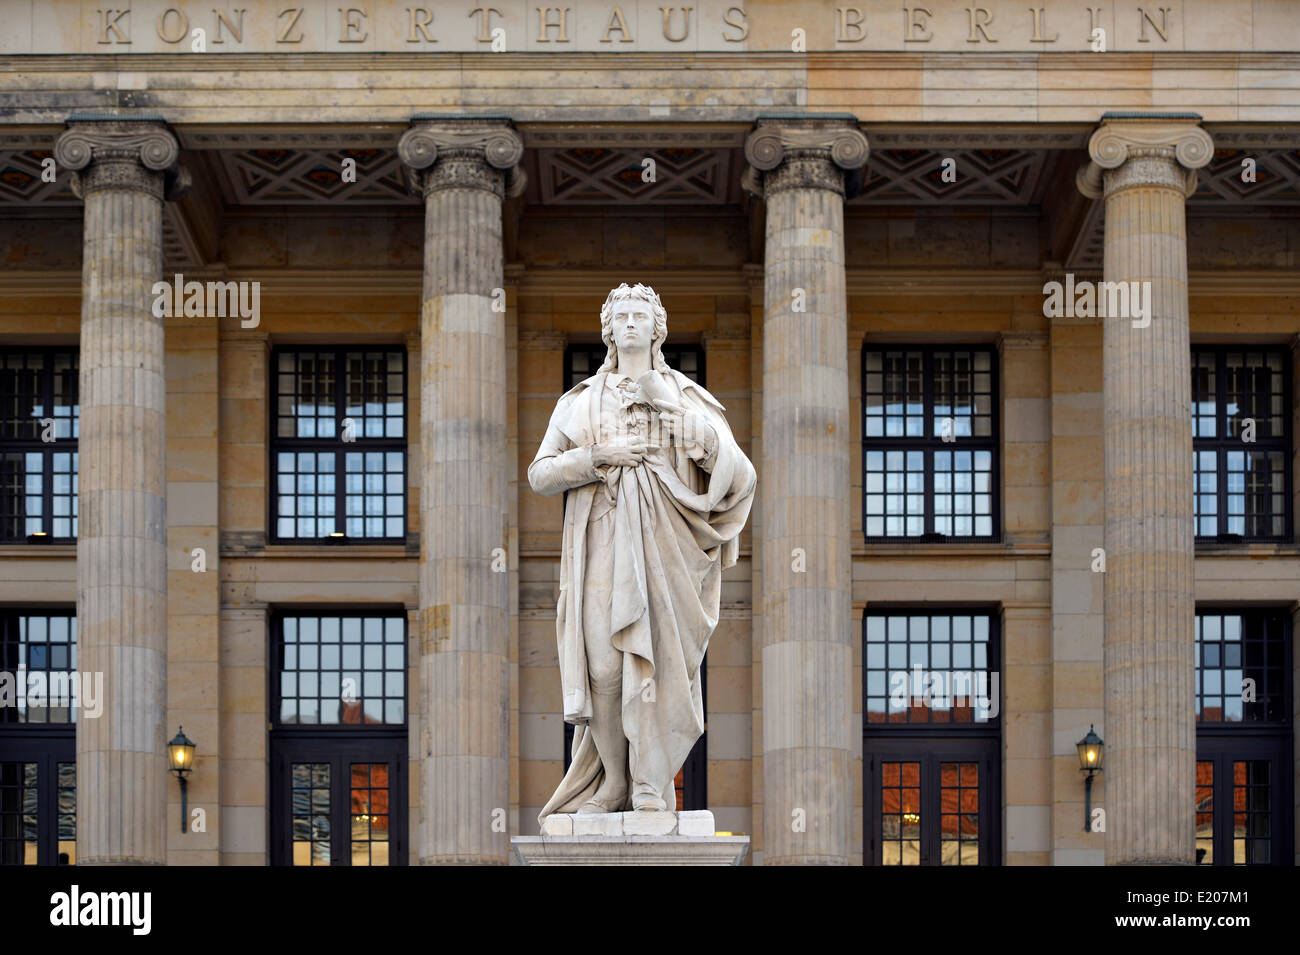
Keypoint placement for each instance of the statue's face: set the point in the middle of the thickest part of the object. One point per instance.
(633, 325)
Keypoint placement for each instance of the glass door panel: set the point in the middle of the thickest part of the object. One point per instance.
(339, 802)
(932, 808)
(1242, 802)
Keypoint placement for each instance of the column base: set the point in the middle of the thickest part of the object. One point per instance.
(630, 838)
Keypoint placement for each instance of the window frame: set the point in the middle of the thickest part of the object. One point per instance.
(992, 726)
(69, 445)
(932, 743)
(277, 445)
(981, 749)
(46, 744)
(1223, 443)
(1222, 751)
(274, 668)
(928, 444)
(335, 743)
(339, 754)
(1259, 727)
(1225, 742)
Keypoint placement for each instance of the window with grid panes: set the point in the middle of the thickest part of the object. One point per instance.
(1241, 443)
(929, 443)
(1244, 755)
(339, 444)
(931, 737)
(339, 739)
(39, 428)
(38, 767)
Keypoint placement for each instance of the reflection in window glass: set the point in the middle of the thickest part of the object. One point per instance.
(1251, 816)
(67, 813)
(43, 649)
(369, 832)
(342, 671)
(929, 669)
(340, 444)
(900, 813)
(40, 423)
(19, 799)
(1241, 442)
(1240, 667)
(310, 812)
(929, 443)
(1205, 812)
(959, 807)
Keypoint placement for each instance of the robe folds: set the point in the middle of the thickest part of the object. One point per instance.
(676, 528)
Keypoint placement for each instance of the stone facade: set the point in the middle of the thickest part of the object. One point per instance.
(492, 213)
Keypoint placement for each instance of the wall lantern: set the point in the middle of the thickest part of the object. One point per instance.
(180, 757)
(1090, 754)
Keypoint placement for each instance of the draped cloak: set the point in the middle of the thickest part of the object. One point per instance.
(677, 527)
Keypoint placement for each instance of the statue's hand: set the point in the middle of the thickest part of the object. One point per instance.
(619, 455)
(687, 426)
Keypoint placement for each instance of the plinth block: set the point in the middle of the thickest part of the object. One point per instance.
(630, 838)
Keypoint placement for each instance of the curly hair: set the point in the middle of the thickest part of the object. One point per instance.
(626, 293)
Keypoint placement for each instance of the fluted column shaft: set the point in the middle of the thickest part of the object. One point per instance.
(124, 170)
(1146, 170)
(462, 170)
(806, 639)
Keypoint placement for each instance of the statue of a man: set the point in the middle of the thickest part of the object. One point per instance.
(659, 492)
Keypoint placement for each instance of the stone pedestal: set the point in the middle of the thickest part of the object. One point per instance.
(123, 172)
(630, 838)
(463, 169)
(1144, 167)
(799, 167)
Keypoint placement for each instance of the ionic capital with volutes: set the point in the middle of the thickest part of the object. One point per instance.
(1160, 149)
(799, 153)
(132, 155)
(463, 153)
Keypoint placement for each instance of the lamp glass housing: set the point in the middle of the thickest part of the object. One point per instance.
(1090, 750)
(180, 754)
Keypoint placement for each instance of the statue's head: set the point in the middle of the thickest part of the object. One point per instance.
(633, 298)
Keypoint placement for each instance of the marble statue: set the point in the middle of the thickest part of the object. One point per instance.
(658, 494)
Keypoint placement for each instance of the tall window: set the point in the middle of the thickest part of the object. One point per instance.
(1241, 428)
(39, 427)
(339, 739)
(339, 444)
(932, 703)
(38, 761)
(1244, 811)
(929, 443)
(581, 361)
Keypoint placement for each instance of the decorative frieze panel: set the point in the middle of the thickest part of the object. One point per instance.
(21, 179)
(280, 175)
(675, 175)
(982, 176)
(1244, 175)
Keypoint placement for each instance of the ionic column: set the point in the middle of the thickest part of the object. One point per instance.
(123, 172)
(1146, 168)
(805, 635)
(463, 169)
